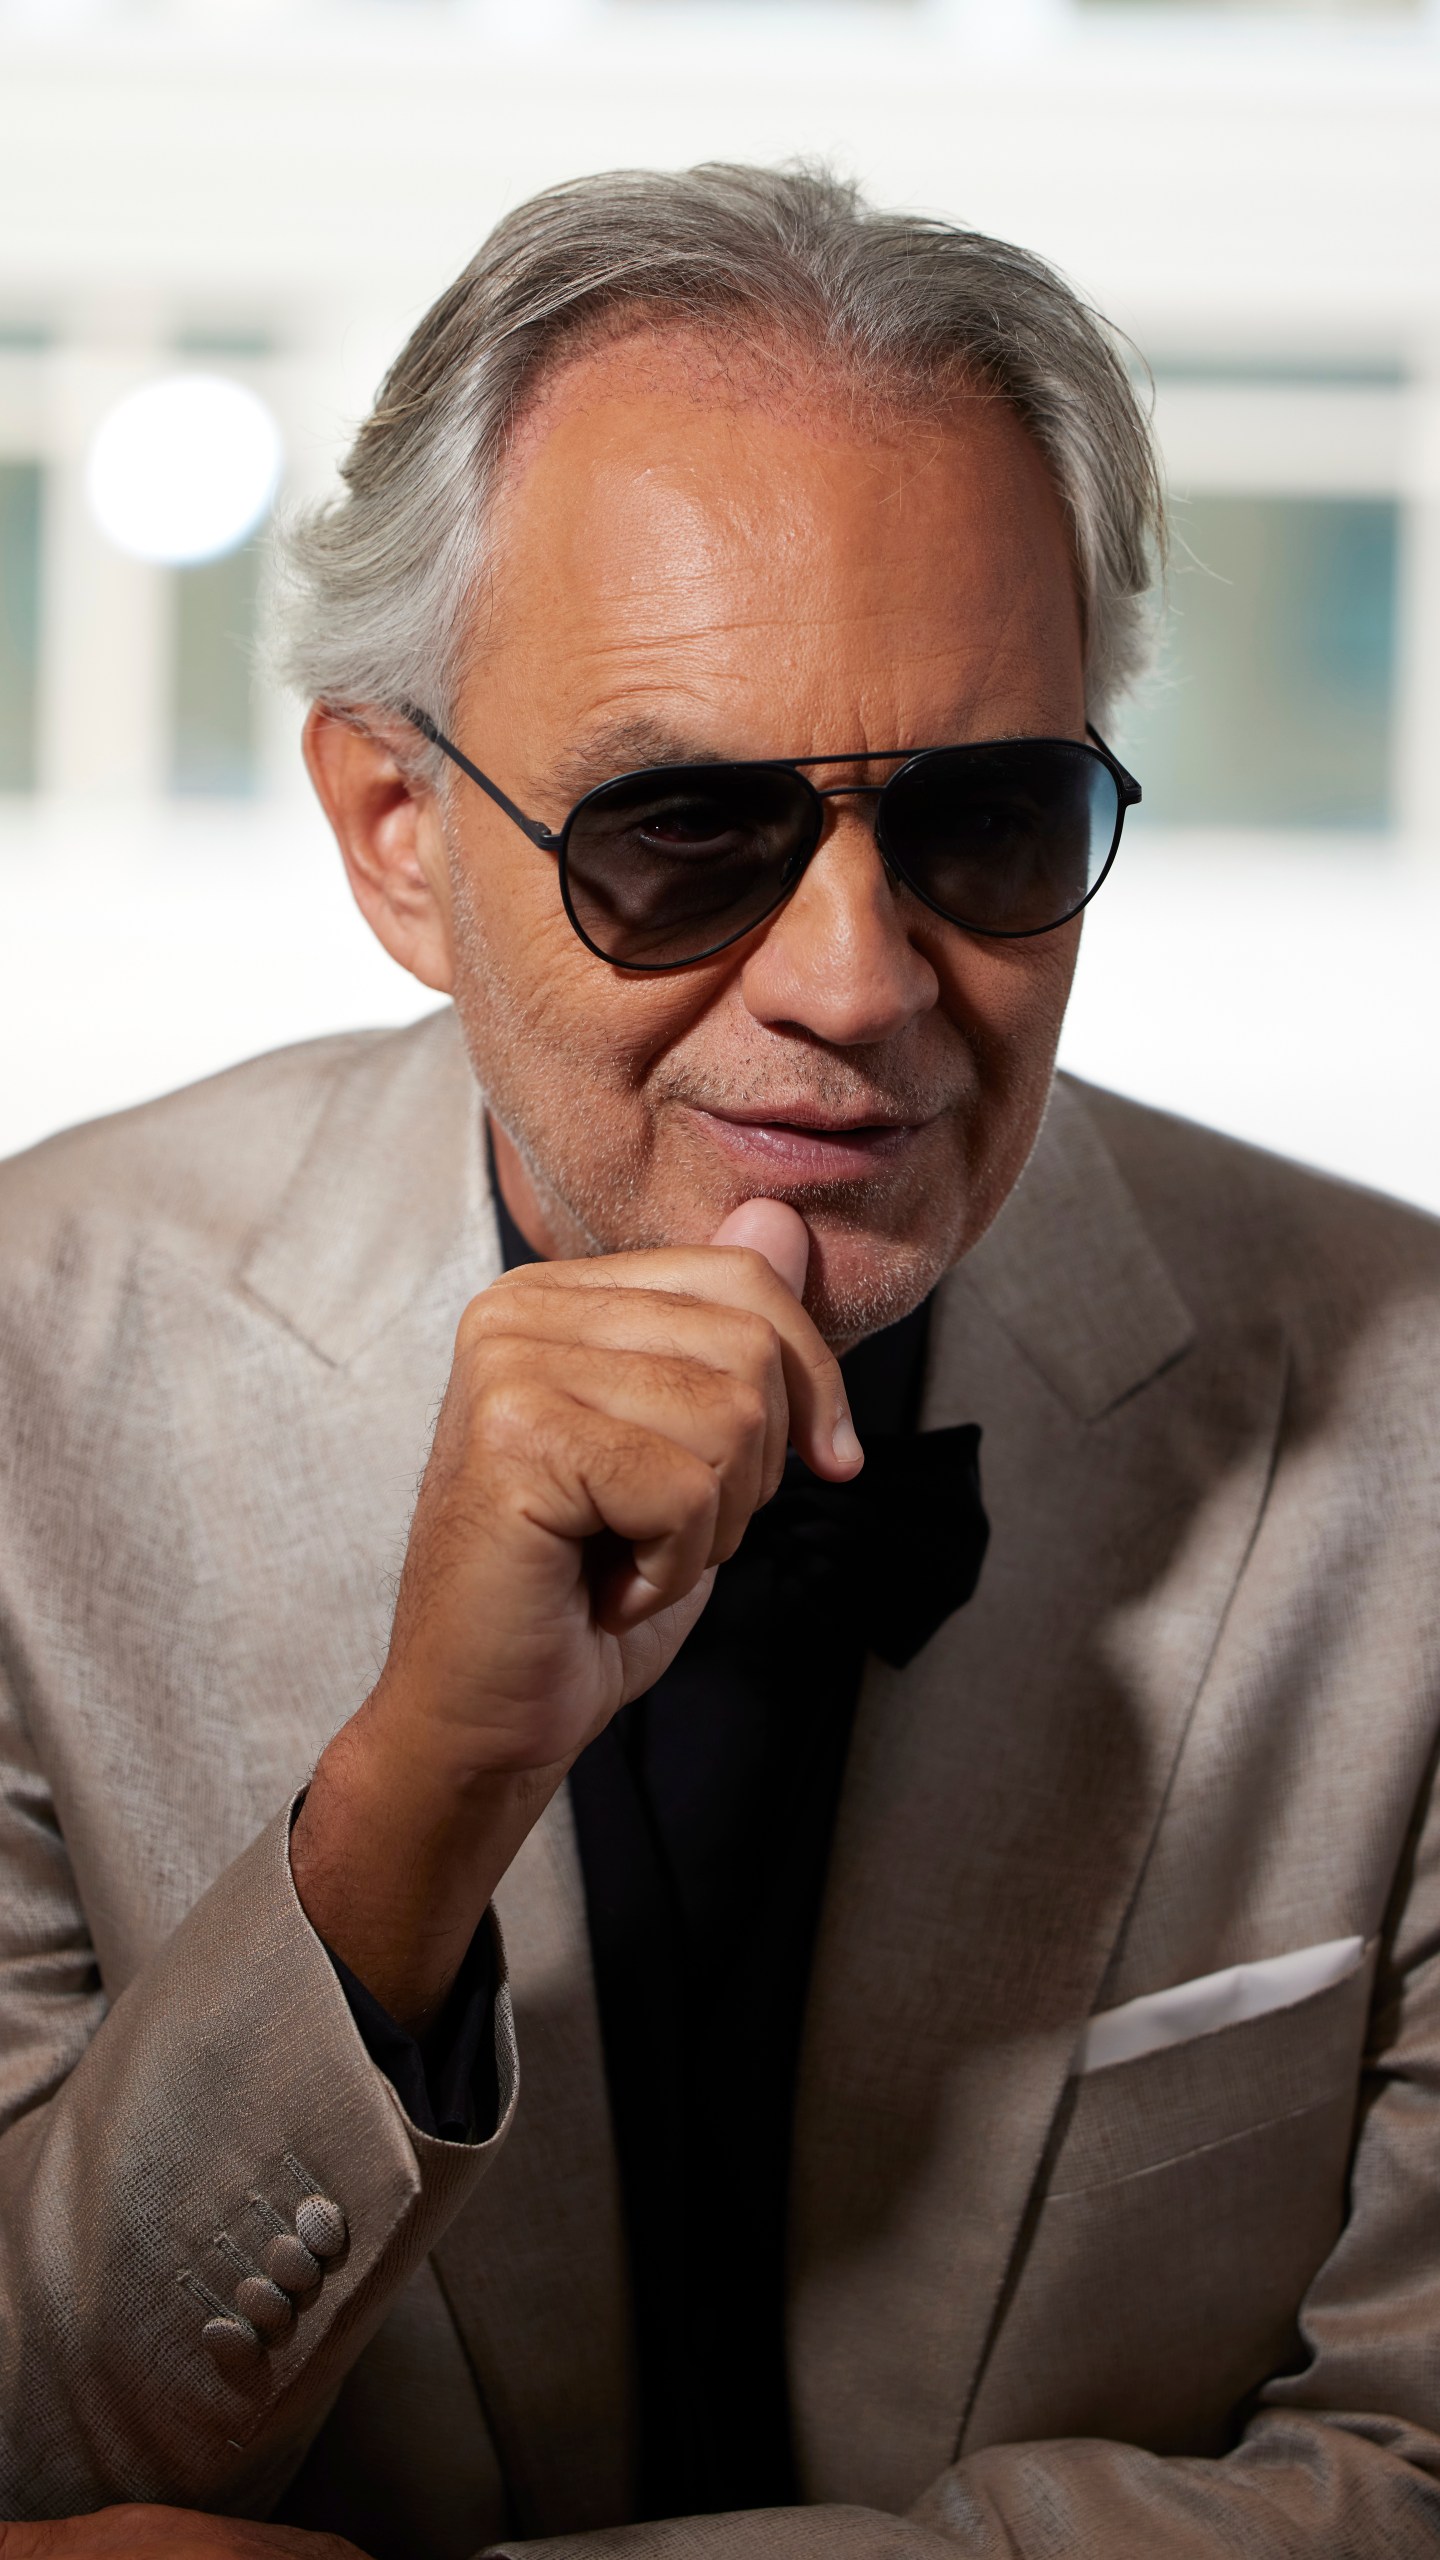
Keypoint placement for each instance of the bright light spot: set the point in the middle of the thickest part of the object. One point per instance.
(185, 468)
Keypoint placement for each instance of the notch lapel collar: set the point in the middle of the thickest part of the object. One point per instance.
(1000, 1798)
(389, 1201)
(535, 2270)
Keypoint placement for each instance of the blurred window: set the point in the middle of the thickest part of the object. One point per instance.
(212, 699)
(760, 8)
(1274, 372)
(1272, 8)
(19, 621)
(1273, 703)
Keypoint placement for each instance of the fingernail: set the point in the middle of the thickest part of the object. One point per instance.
(844, 1442)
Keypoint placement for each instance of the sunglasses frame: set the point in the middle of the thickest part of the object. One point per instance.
(556, 839)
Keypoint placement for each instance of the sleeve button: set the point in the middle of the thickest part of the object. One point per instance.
(264, 2306)
(291, 2265)
(321, 2226)
(235, 2346)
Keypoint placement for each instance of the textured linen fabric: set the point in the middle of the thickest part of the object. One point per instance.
(235, 2048)
(177, 2062)
(1188, 2304)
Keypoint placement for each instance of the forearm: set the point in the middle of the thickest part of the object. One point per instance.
(227, 2080)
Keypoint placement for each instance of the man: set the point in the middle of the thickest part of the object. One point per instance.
(978, 2059)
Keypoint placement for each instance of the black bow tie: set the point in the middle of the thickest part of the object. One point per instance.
(896, 1550)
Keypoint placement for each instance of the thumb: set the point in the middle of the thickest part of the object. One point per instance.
(771, 1228)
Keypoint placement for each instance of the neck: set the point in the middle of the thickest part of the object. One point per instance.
(541, 1219)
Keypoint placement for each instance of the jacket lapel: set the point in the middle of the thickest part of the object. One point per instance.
(389, 1205)
(1000, 1798)
(535, 2270)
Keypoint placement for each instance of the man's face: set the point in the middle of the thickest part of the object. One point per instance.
(691, 564)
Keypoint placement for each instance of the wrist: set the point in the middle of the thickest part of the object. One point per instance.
(395, 1857)
(413, 1773)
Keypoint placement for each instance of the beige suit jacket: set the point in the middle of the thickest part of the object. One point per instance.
(1186, 2303)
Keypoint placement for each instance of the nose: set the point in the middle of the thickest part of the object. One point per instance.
(841, 961)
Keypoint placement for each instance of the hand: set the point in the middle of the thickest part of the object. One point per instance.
(166, 2533)
(609, 1428)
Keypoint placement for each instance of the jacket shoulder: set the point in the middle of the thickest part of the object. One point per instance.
(198, 1172)
(1236, 1224)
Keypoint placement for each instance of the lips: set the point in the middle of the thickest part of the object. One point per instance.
(816, 1123)
(799, 1145)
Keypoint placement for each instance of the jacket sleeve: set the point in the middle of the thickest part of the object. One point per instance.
(153, 2159)
(1340, 2457)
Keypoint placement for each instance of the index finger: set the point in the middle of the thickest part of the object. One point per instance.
(821, 1427)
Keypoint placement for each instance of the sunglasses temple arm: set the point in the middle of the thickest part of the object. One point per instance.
(543, 836)
(1130, 792)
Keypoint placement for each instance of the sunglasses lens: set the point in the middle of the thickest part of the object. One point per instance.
(663, 867)
(1007, 839)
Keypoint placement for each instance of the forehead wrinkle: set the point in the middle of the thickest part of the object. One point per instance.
(632, 738)
(659, 636)
(626, 746)
(699, 659)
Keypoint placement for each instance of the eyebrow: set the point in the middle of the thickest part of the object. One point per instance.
(630, 746)
(625, 746)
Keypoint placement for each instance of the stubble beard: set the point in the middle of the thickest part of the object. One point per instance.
(538, 1096)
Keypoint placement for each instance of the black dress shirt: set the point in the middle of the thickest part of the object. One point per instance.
(703, 1816)
(447, 2080)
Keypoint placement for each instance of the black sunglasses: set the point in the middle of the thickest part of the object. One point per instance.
(668, 866)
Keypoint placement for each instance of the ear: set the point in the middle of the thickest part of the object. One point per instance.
(391, 841)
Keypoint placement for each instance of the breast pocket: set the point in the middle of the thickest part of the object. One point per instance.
(1192, 2195)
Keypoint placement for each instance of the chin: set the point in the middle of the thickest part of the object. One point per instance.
(859, 1284)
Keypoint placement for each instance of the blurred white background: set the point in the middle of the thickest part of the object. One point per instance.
(269, 192)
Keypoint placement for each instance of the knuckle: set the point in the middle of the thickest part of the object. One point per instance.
(750, 1410)
(525, 1275)
(748, 1345)
(476, 1346)
(696, 1492)
(626, 1456)
(497, 1308)
(500, 1385)
(759, 1336)
(476, 1322)
(503, 1415)
(752, 1262)
(511, 1407)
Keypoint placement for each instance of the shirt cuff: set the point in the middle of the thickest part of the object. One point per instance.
(447, 2080)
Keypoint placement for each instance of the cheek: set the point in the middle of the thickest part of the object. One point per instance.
(535, 1001)
(1008, 1000)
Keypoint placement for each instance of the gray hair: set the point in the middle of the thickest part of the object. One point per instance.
(377, 585)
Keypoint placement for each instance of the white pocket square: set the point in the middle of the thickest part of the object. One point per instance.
(1213, 2000)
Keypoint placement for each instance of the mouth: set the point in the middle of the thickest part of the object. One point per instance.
(801, 1144)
